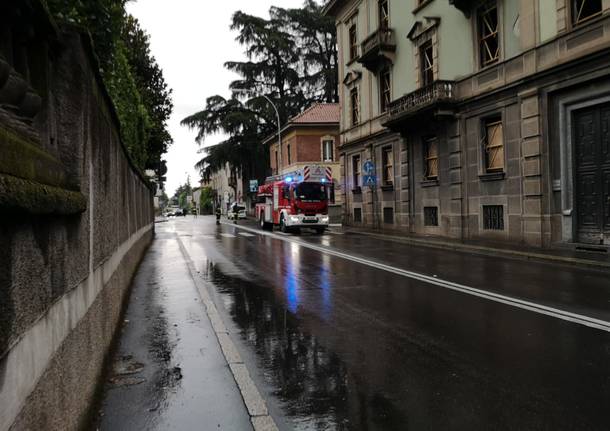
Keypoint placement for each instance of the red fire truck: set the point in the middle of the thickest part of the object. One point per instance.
(291, 203)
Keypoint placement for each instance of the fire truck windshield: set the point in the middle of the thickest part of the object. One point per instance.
(310, 192)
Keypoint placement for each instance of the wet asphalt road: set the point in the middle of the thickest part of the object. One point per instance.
(336, 341)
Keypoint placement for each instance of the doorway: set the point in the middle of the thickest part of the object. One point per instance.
(592, 174)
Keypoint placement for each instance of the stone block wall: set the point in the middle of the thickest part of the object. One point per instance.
(75, 219)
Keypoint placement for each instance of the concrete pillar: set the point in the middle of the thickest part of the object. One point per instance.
(455, 179)
(531, 168)
(404, 186)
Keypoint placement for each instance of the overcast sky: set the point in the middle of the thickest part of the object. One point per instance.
(191, 40)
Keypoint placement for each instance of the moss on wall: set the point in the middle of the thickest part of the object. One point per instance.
(23, 159)
(19, 195)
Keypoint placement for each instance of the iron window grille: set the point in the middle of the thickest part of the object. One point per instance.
(386, 89)
(493, 145)
(356, 170)
(493, 217)
(355, 102)
(431, 158)
(353, 42)
(384, 14)
(387, 157)
(489, 40)
(584, 10)
(426, 60)
(430, 216)
(388, 215)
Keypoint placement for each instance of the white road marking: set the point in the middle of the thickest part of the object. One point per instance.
(246, 234)
(227, 235)
(491, 296)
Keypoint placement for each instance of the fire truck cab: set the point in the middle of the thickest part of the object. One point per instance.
(292, 204)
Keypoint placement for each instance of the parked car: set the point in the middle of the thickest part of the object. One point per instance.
(236, 211)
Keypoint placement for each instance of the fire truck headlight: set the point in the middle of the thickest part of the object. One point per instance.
(324, 219)
(294, 219)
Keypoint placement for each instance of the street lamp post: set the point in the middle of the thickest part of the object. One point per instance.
(279, 125)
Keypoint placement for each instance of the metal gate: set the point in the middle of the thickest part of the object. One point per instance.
(592, 174)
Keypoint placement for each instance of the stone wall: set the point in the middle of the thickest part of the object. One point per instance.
(75, 219)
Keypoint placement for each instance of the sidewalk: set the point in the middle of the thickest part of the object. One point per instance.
(175, 366)
(589, 258)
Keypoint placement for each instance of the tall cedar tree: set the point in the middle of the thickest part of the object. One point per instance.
(292, 59)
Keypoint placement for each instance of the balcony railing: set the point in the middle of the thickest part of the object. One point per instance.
(438, 93)
(374, 47)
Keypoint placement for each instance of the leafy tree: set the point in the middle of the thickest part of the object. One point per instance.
(182, 200)
(206, 199)
(181, 193)
(156, 95)
(291, 59)
(315, 35)
(133, 78)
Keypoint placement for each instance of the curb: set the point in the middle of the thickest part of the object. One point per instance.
(482, 250)
(255, 404)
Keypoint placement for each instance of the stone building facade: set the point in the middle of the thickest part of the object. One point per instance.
(496, 114)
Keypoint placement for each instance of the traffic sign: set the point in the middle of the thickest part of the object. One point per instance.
(368, 168)
(369, 180)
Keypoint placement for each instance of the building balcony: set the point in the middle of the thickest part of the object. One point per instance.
(434, 100)
(377, 49)
(465, 6)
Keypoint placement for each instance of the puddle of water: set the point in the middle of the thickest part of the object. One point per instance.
(314, 386)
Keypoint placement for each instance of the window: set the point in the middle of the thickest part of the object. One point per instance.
(426, 63)
(356, 171)
(353, 42)
(384, 14)
(310, 192)
(493, 142)
(355, 105)
(288, 153)
(385, 86)
(583, 10)
(489, 41)
(328, 147)
(358, 215)
(388, 215)
(387, 157)
(286, 192)
(430, 216)
(493, 217)
(431, 158)
(331, 193)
